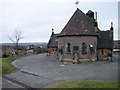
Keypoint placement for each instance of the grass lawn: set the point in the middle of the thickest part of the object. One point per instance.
(7, 67)
(85, 84)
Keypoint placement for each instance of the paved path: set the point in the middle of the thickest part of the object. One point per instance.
(40, 70)
(8, 84)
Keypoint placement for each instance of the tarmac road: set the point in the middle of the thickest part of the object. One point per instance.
(40, 70)
(8, 84)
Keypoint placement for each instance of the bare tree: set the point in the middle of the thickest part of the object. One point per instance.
(16, 38)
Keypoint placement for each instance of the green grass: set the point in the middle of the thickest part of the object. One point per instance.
(85, 84)
(7, 67)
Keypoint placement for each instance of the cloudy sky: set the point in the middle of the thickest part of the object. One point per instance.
(36, 18)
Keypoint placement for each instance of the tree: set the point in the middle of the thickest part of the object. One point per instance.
(16, 38)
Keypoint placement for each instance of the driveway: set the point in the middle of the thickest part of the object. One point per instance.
(40, 70)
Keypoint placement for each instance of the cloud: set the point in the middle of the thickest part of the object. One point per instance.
(36, 18)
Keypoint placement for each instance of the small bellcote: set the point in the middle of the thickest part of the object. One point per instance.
(90, 14)
(111, 26)
(52, 31)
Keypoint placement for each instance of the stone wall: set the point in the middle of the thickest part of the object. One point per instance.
(52, 51)
(103, 54)
(77, 41)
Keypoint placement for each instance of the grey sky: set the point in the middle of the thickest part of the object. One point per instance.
(36, 18)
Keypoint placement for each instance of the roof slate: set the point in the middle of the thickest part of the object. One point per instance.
(104, 40)
(53, 42)
(79, 24)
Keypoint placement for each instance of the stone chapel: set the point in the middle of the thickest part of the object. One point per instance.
(82, 40)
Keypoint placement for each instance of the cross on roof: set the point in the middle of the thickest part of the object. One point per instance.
(76, 3)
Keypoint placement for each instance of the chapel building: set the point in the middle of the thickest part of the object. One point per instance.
(82, 40)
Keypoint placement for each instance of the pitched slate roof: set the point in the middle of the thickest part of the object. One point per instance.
(53, 42)
(79, 24)
(104, 40)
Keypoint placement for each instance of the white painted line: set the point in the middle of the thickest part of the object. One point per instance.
(13, 83)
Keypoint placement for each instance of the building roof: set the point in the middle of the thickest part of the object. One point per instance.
(104, 40)
(53, 42)
(79, 24)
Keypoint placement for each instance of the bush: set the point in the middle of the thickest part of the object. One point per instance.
(5, 55)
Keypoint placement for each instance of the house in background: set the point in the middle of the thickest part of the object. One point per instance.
(82, 40)
(116, 47)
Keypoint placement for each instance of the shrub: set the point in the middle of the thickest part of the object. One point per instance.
(5, 55)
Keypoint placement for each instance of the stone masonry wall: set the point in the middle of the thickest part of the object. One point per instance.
(77, 41)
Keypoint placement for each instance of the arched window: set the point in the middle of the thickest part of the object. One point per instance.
(102, 51)
(68, 47)
(91, 49)
(84, 48)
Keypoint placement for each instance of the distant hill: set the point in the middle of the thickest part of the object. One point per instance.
(26, 44)
(116, 44)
